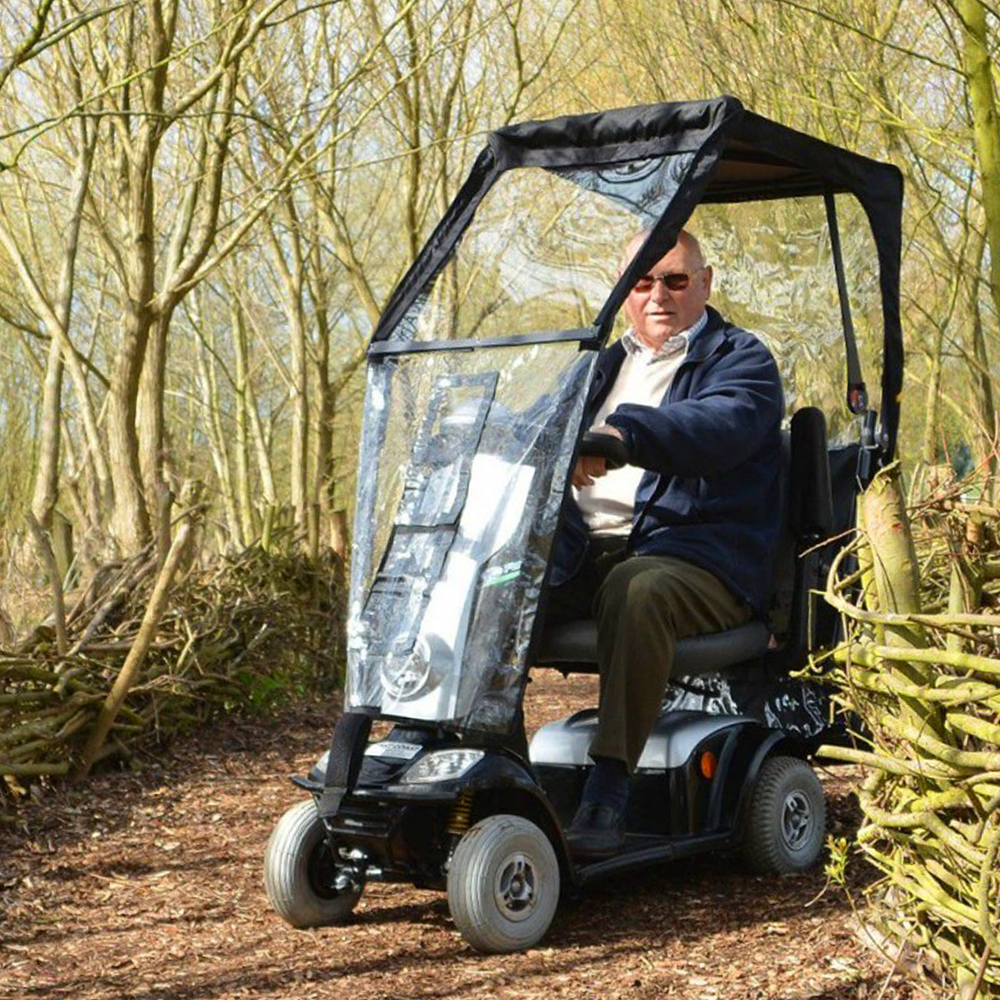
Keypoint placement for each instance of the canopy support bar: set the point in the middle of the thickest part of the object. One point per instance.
(857, 393)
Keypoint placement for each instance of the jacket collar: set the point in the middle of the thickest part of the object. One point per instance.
(673, 345)
(708, 340)
(704, 344)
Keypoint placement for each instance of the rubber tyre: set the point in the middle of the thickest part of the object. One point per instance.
(298, 871)
(786, 823)
(503, 884)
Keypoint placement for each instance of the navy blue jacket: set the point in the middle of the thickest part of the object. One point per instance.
(712, 455)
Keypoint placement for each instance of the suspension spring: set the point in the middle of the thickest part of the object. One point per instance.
(461, 814)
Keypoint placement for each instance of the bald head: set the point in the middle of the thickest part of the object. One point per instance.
(657, 311)
(685, 240)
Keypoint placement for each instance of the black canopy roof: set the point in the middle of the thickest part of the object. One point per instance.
(754, 158)
(737, 156)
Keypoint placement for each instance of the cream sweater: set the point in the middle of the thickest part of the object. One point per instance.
(643, 379)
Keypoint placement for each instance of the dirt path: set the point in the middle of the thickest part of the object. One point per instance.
(147, 886)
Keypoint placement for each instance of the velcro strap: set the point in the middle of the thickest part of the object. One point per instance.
(350, 737)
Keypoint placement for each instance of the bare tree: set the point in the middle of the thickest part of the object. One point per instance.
(151, 146)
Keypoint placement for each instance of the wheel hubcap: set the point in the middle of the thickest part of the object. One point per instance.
(326, 877)
(796, 820)
(515, 887)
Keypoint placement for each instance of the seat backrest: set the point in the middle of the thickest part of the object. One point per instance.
(810, 499)
(808, 520)
(783, 567)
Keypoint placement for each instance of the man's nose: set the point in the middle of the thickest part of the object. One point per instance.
(659, 291)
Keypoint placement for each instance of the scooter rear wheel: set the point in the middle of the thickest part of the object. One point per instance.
(503, 884)
(786, 822)
(300, 873)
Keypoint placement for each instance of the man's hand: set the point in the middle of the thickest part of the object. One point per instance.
(587, 469)
(591, 467)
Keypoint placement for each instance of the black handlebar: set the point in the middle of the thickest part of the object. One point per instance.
(612, 449)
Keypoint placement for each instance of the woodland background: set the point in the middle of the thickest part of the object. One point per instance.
(204, 206)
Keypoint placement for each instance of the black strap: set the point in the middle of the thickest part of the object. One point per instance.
(857, 393)
(350, 737)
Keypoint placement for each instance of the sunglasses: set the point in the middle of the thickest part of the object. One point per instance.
(676, 281)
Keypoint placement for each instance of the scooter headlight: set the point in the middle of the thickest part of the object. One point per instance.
(442, 765)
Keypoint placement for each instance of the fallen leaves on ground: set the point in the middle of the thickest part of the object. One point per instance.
(147, 886)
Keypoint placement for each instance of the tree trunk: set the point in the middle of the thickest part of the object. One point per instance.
(894, 558)
(299, 470)
(268, 489)
(323, 396)
(130, 520)
(248, 521)
(288, 259)
(982, 391)
(46, 493)
(986, 133)
(896, 576)
(218, 441)
(152, 387)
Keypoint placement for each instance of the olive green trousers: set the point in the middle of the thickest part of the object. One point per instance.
(643, 605)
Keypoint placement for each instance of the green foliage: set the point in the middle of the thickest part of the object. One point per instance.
(835, 868)
(265, 691)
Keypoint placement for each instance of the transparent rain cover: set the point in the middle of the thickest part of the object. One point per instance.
(465, 454)
(774, 275)
(464, 459)
(543, 250)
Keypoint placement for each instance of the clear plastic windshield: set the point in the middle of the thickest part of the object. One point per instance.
(464, 460)
(465, 454)
(543, 250)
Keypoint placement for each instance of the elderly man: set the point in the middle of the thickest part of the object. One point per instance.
(679, 542)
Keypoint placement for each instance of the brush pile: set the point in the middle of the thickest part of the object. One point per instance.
(249, 631)
(920, 669)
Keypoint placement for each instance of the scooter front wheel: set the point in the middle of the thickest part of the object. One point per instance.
(301, 875)
(503, 884)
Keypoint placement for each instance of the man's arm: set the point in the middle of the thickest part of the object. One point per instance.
(715, 430)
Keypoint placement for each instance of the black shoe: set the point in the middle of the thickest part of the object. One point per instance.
(597, 831)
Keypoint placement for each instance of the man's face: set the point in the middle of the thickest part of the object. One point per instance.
(658, 313)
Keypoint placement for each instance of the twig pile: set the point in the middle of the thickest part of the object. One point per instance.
(238, 635)
(926, 687)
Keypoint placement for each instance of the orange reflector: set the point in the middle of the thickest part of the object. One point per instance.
(709, 764)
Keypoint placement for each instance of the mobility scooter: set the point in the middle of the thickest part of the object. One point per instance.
(477, 378)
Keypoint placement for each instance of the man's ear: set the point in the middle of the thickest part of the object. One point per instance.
(708, 274)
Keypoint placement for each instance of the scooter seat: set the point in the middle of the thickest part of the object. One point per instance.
(572, 647)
